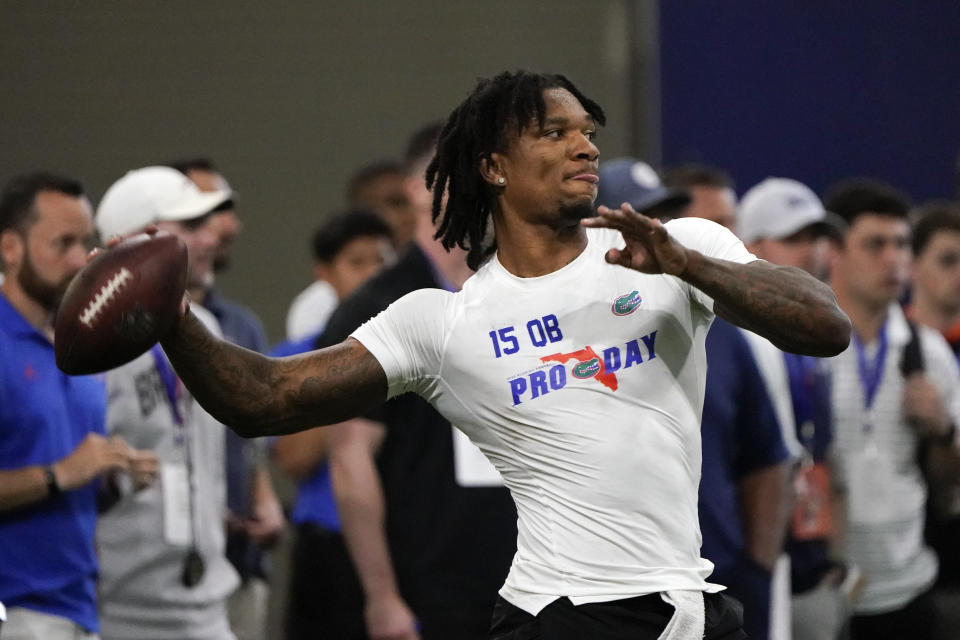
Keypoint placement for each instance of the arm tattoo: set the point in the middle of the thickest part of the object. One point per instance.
(786, 305)
(257, 395)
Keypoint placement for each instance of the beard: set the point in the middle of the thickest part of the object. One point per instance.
(46, 293)
(222, 257)
(572, 214)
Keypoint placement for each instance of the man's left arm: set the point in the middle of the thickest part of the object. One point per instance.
(766, 498)
(786, 305)
(266, 521)
(931, 404)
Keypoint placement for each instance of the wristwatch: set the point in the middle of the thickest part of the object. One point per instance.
(53, 487)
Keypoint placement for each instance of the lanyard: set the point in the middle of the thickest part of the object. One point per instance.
(871, 373)
(802, 375)
(171, 384)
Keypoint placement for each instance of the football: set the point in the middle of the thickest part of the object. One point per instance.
(120, 303)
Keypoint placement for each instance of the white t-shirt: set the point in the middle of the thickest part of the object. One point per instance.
(584, 388)
(310, 310)
(875, 458)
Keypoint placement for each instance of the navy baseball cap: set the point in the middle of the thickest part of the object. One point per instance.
(636, 183)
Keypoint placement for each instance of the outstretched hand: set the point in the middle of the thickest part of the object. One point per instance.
(649, 248)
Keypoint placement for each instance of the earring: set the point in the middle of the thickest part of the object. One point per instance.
(501, 180)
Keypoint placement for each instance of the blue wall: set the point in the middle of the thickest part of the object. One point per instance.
(814, 90)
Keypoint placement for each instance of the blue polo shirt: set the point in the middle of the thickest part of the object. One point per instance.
(47, 557)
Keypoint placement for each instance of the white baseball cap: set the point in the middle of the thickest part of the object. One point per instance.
(780, 207)
(153, 194)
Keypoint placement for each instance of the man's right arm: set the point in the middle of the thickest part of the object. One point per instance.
(299, 454)
(93, 456)
(353, 446)
(259, 396)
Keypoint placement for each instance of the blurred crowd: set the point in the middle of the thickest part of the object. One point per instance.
(830, 489)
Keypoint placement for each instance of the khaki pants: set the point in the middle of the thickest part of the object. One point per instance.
(247, 610)
(818, 614)
(27, 624)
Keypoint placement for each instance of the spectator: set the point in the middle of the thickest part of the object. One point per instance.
(710, 188)
(164, 572)
(325, 596)
(885, 418)
(936, 276)
(936, 304)
(636, 183)
(783, 221)
(53, 453)
(377, 187)
(428, 524)
(254, 516)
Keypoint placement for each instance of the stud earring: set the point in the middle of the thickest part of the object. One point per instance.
(501, 181)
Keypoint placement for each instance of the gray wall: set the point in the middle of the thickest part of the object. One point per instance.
(289, 101)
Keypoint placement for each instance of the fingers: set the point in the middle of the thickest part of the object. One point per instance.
(262, 532)
(923, 405)
(622, 257)
(144, 462)
(112, 241)
(611, 218)
(144, 468)
(117, 454)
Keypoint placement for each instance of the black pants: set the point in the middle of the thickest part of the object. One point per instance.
(917, 620)
(640, 618)
(326, 599)
(471, 622)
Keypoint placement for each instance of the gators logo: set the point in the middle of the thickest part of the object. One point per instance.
(588, 365)
(588, 369)
(626, 304)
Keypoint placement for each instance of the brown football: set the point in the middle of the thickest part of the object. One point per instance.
(120, 303)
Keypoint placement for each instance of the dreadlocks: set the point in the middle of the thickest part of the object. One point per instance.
(479, 127)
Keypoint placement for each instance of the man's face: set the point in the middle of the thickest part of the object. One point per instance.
(936, 271)
(386, 195)
(552, 168)
(53, 248)
(718, 204)
(359, 260)
(803, 250)
(225, 224)
(415, 186)
(201, 239)
(874, 259)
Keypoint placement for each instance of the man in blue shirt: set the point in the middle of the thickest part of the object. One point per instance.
(52, 445)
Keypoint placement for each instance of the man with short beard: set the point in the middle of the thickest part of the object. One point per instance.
(53, 450)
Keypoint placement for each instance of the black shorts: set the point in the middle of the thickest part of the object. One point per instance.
(640, 618)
